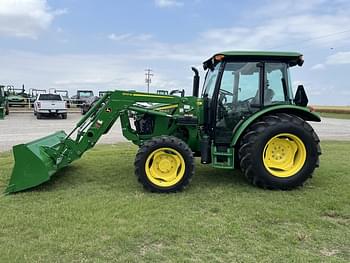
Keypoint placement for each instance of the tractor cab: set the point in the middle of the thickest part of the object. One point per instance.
(239, 84)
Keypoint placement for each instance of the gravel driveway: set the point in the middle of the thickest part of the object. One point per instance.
(24, 127)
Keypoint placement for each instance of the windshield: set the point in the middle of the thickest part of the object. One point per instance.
(85, 93)
(49, 97)
(210, 81)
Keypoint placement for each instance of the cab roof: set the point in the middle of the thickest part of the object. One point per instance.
(293, 58)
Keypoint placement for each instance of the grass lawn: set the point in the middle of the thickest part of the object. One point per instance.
(345, 116)
(343, 108)
(95, 211)
(335, 112)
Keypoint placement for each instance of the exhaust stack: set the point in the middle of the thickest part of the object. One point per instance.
(195, 82)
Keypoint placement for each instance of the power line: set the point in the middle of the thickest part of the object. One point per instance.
(148, 79)
(315, 38)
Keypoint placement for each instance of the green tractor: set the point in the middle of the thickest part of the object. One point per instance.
(4, 106)
(246, 117)
(16, 96)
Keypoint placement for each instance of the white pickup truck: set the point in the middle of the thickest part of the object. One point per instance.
(50, 105)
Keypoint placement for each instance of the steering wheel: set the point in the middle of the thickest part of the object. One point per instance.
(247, 100)
(225, 92)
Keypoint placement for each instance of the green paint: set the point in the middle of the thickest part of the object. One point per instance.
(33, 165)
(302, 112)
(3, 102)
(37, 161)
(182, 117)
(260, 54)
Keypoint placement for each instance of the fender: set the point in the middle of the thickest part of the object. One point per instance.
(302, 112)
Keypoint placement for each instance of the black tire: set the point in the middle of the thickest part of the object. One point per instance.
(7, 111)
(64, 116)
(254, 142)
(150, 147)
(38, 116)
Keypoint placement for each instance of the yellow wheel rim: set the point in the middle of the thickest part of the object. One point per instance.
(284, 155)
(165, 167)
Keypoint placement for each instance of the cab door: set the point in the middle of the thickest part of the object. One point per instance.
(237, 97)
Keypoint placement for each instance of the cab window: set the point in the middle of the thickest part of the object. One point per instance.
(210, 81)
(239, 84)
(239, 90)
(276, 85)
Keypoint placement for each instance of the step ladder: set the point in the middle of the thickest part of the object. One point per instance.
(223, 160)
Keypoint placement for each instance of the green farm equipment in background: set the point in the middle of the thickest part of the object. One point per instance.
(162, 92)
(246, 117)
(4, 106)
(16, 96)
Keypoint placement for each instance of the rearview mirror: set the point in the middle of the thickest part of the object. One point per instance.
(300, 98)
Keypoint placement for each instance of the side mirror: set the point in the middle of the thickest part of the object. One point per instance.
(300, 98)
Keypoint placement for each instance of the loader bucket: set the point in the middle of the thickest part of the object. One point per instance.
(33, 166)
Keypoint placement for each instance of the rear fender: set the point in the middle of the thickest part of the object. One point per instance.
(301, 112)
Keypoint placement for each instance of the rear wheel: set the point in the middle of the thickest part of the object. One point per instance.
(279, 152)
(64, 115)
(164, 164)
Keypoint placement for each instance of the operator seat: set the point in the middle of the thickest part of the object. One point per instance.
(268, 95)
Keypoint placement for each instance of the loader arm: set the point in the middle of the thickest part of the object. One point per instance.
(49, 154)
(101, 118)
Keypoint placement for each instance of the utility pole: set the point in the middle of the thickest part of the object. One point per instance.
(148, 80)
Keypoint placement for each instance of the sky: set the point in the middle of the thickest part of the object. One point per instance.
(107, 45)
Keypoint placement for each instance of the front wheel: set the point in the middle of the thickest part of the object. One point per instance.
(279, 152)
(164, 164)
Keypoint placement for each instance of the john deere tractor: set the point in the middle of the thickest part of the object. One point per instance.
(4, 106)
(246, 117)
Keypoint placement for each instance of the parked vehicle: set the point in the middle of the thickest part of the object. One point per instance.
(15, 96)
(65, 96)
(33, 94)
(82, 96)
(86, 106)
(50, 105)
(162, 92)
(4, 106)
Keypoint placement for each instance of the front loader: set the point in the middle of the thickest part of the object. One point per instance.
(246, 117)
